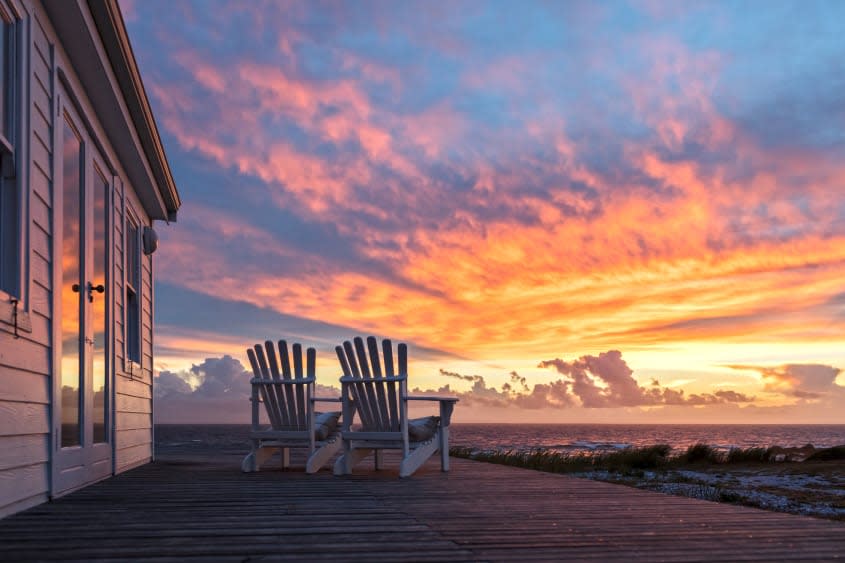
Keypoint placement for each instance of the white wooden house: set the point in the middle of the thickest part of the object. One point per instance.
(84, 178)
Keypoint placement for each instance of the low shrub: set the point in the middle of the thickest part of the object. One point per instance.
(700, 453)
(748, 455)
(625, 460)
(633, 460)
(650, 457)
(828, 454)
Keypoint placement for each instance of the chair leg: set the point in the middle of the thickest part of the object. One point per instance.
(348, 460)
(417, 458)
(285, 458)
(341, 465)
(248, 464)
(322, 455)
(379, 459)
(252, 462)
(444, 448)
(255, 459)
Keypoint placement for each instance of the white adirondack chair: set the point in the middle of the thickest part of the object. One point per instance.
(380, 397)
(288, 398)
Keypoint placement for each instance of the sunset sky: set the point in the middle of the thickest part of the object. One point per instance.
(570, 211)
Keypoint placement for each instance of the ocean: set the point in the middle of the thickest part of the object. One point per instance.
(572, 438)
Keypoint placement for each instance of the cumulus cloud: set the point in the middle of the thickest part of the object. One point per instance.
(804, 381)
(216, 377)
(607, 381)
(213, 391)
(601, 381)
(169, 384)
(217, 390)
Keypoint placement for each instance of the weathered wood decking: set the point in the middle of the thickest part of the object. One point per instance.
(203, 508)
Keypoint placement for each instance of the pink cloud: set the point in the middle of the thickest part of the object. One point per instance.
(804, 381)
(519, 232)
(606, 381)
(603, 381)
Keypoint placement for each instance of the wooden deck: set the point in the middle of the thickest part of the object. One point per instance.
(195, 506)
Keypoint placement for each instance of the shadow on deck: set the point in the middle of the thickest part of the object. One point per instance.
(200, 506)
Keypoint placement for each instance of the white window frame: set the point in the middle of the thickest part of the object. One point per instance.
(13, 282)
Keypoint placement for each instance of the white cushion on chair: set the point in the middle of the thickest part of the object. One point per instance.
(422, 429)
(325, 424)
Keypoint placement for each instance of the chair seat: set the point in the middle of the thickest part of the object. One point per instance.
(325, 424)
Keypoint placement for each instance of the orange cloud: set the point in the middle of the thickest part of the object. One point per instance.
(495, 243)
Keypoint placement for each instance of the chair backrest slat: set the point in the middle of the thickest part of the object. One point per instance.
(300, 391)
(262, 389)
(387, 351)
(289, 401)
(402, 350)
(272, 404)
(402, 361)
(381, 393)
(353, 389)
(369, 386)
(277, 391)
(358, 389)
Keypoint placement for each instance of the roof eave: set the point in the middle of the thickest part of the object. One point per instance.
(115, 39)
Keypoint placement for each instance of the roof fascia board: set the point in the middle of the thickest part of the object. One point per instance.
(109, 21)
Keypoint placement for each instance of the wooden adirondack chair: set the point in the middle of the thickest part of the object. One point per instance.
(288, 398)
(380, 397)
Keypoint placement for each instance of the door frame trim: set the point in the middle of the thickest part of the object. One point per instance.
(102, 458)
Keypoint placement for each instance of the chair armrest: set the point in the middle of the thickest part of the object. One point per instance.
(431, 398)
(447, 405)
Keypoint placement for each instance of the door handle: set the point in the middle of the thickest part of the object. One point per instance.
(92, 288)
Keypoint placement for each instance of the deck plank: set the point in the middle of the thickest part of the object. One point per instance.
(197, 505)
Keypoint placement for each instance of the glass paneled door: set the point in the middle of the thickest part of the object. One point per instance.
(83, 394)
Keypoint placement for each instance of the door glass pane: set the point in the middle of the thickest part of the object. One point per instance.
(5, 75)
(71, 300)
(98, 309)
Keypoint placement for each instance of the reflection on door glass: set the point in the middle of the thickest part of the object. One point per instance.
(98, 313)
(71, 300)
(5, 74)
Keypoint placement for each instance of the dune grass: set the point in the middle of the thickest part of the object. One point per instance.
(650, 457)
(659, 456)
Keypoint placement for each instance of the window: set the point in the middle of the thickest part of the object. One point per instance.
(133, 291)
(10, 264)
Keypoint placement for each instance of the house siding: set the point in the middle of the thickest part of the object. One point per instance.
(133, 384)
(25, 390)
(27, 385)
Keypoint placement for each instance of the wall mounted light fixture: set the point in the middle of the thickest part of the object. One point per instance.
(150, 240)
